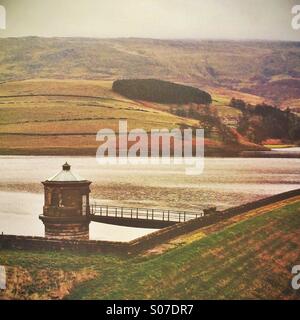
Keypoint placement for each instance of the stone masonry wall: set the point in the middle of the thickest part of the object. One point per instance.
(140, 244)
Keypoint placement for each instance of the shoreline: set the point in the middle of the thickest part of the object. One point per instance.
(90, 152)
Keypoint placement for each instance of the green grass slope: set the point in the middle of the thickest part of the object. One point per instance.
(251, 259)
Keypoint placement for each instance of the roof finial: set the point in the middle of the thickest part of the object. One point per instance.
(66, 167)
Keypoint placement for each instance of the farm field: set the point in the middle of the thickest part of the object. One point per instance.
(55, 94)
(50, 116)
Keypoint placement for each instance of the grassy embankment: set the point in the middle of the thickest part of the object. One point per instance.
(250, 257)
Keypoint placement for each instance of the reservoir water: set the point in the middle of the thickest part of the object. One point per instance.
(225, 182)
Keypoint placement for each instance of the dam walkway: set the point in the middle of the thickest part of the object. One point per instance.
(140, 217)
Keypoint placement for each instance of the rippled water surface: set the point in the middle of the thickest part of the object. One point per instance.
(224, 183)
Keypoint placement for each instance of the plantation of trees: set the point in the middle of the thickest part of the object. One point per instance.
(160, 91)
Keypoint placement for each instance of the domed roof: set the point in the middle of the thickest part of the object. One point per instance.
(66, 175)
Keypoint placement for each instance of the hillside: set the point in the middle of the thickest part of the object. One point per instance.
(267, 69)
(44, 116)
(63, 117)
(56, 93)
(247, 258)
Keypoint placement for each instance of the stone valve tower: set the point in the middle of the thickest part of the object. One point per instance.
(66, 206)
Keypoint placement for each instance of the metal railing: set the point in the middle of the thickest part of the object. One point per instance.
(143, 213)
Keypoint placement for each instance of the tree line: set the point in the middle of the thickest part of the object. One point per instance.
(262, 121)
(160, 91)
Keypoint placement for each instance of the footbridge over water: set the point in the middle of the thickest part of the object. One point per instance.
(140, 217)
